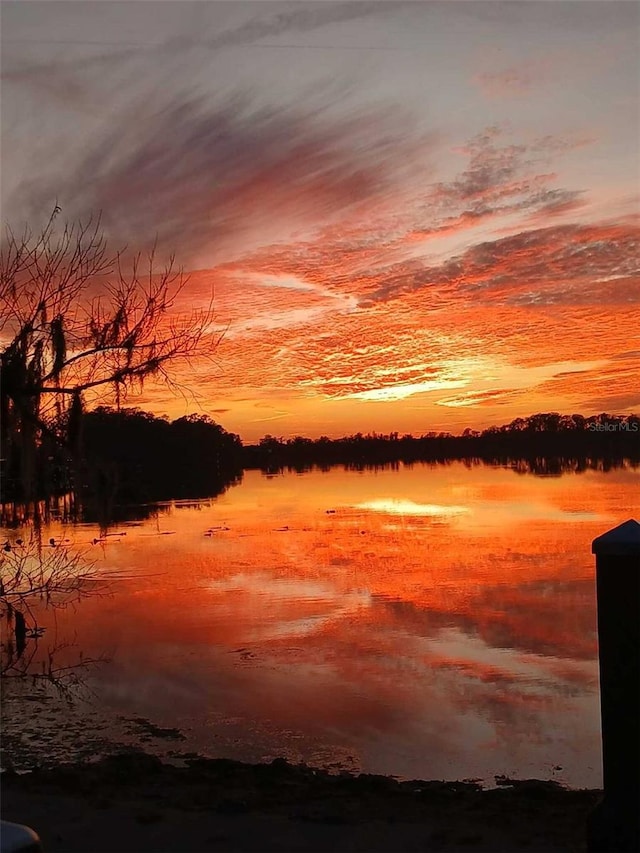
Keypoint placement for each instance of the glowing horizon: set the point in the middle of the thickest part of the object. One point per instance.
(398, 238)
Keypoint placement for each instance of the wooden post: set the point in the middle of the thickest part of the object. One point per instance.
(614, 825)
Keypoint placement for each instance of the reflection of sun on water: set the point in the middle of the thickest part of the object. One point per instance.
(440, 622)
(397, 506)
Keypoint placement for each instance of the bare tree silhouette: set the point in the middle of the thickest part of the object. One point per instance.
(79, 324)
(34, 576)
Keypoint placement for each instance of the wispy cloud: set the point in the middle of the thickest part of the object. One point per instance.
(613, 403)
(390, 252)
(503, 178)
(479, 398)
(572, 264)
(199, 175)
(510, 82)
(302, 18)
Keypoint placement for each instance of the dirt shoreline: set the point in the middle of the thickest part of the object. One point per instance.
(135, 803)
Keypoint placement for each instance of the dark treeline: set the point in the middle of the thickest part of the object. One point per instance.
(132, 457)
(546, 444)
(151, 458)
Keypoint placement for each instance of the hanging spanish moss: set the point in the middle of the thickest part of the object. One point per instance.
(58, 347)
(82, 328)
(74, 427)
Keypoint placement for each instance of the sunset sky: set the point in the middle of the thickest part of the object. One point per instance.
(413, 215)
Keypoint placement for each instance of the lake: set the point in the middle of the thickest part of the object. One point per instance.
(432, 622)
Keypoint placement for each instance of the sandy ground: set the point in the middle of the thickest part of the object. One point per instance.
(135, 803)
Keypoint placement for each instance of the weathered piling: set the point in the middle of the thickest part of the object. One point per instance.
(614, 825)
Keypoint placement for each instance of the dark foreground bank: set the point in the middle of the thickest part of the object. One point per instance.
(133, 803)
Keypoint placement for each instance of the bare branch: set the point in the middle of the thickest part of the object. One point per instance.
(75, 319)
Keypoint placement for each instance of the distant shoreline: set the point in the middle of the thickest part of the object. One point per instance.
(544, 443)
(133, 457)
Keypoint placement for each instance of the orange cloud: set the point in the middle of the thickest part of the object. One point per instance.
(373, 322)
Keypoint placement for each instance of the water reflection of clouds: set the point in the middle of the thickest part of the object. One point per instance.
(531, 511)
(507, 668)
(512, 617)
(273, 608)
(432, 643)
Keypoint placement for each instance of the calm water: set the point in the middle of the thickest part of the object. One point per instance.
(426, 622)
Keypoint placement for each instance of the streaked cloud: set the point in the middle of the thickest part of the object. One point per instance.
(202, 177)
(401, 392)
(569, 264)
(69, 76)
(478, 398)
